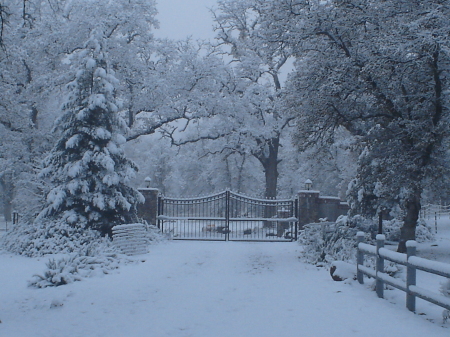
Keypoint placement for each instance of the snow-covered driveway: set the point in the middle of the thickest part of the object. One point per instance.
(203, 289)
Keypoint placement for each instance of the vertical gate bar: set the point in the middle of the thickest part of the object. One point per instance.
(218, 212)
(191, 206)
(296, 215)
(227, 214)
(173, 210)
(199, 212)
(192, 223)
(215, 215)
(187, 210)
(223, 210)
(203, 214)
(163, 210)
(174, 204)
(160, 212)
(170, 210)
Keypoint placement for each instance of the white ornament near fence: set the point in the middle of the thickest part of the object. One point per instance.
(131, 238)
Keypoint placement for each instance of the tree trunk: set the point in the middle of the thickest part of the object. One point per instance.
(34, 118)
(408, 231)
(268, 157)
(130, 118)
(8, 189)
(131, 105)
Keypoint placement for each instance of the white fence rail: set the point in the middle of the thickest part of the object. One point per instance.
(433, 211)
(412, 263)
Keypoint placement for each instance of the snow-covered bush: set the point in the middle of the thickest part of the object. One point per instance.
(38, 239)
(391, 229)
(424, 232)
(49, 237)
(98, 257)
(328, 242)
(54, 237)
(325, 243)
(59, 272)
(90, 261)
(154, 235)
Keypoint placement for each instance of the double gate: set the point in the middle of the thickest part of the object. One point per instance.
(228, 216)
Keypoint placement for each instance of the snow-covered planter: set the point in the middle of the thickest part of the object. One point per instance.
(131, 238)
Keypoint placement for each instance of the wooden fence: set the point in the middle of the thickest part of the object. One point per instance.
(433, 211)
(412, 263)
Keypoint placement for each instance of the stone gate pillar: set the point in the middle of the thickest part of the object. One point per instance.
(149, 209)
(308, 207)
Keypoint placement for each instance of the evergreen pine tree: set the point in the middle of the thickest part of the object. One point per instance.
(87, 165)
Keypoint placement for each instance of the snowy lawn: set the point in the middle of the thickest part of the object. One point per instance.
(205, 289)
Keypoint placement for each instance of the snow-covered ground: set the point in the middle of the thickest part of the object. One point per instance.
(212, 289)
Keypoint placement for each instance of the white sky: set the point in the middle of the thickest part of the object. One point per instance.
(182, 18)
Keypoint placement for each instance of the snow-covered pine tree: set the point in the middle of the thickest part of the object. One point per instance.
(87, 165)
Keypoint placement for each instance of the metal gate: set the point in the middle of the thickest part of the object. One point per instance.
(228, 216)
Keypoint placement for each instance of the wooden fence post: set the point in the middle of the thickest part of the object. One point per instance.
(359, 258)
(380, 266)
(410, 275)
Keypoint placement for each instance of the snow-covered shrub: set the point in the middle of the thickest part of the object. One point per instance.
(391, 229)
(89, 255)
(90, 261)
(325, 243)
(53, 237)
(154, 234)
(49, 237)
(59, 272)
(424, 232)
